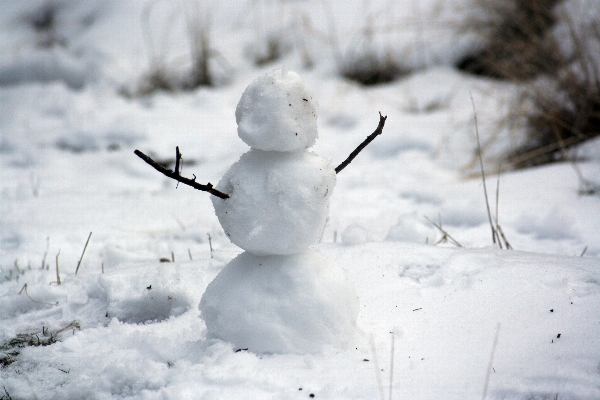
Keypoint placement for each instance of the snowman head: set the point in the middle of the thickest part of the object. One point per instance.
(276, 113)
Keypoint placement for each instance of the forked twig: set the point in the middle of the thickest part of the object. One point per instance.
(175, 174)
(364, 144)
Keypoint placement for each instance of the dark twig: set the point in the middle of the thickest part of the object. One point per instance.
(175, 175)
(364, 144)
(177, 168)
(177, 160)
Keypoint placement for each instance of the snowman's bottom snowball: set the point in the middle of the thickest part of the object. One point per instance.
(281, 304)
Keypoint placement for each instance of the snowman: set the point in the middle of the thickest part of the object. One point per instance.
(279, 296)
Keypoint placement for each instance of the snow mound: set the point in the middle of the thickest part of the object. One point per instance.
(154, 306)
(278, 202)
(56, 65)
(281, 304)
(276, 113)
(354, 234)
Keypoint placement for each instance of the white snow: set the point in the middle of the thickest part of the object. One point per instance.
(128, 327)
(279, 201)
(281, 304)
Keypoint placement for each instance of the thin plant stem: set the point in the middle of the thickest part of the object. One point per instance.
(57, 271)
(24, 289)
(487, 202)
(82, 253)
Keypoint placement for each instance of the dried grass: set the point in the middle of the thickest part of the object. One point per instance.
(564, 114)
(564, 107)
(517, 44)
(207, 67)
(369, 68)
(559, 89)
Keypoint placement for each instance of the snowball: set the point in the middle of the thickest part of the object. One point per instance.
(354, 234)
(410, 229)
(276, 113)
(281, 304)
(278, 202)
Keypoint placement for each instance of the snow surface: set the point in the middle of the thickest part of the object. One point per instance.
(429, 315)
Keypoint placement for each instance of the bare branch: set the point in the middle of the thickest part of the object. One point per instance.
(175, 175)
(177, 169)
(364, 144)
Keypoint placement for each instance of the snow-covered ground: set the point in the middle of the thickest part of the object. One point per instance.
(436, 321)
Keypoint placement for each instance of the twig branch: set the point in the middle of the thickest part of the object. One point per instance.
(177, 169)
(175, 175)
(364, 144)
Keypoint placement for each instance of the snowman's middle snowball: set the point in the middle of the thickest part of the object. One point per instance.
(278, 202)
